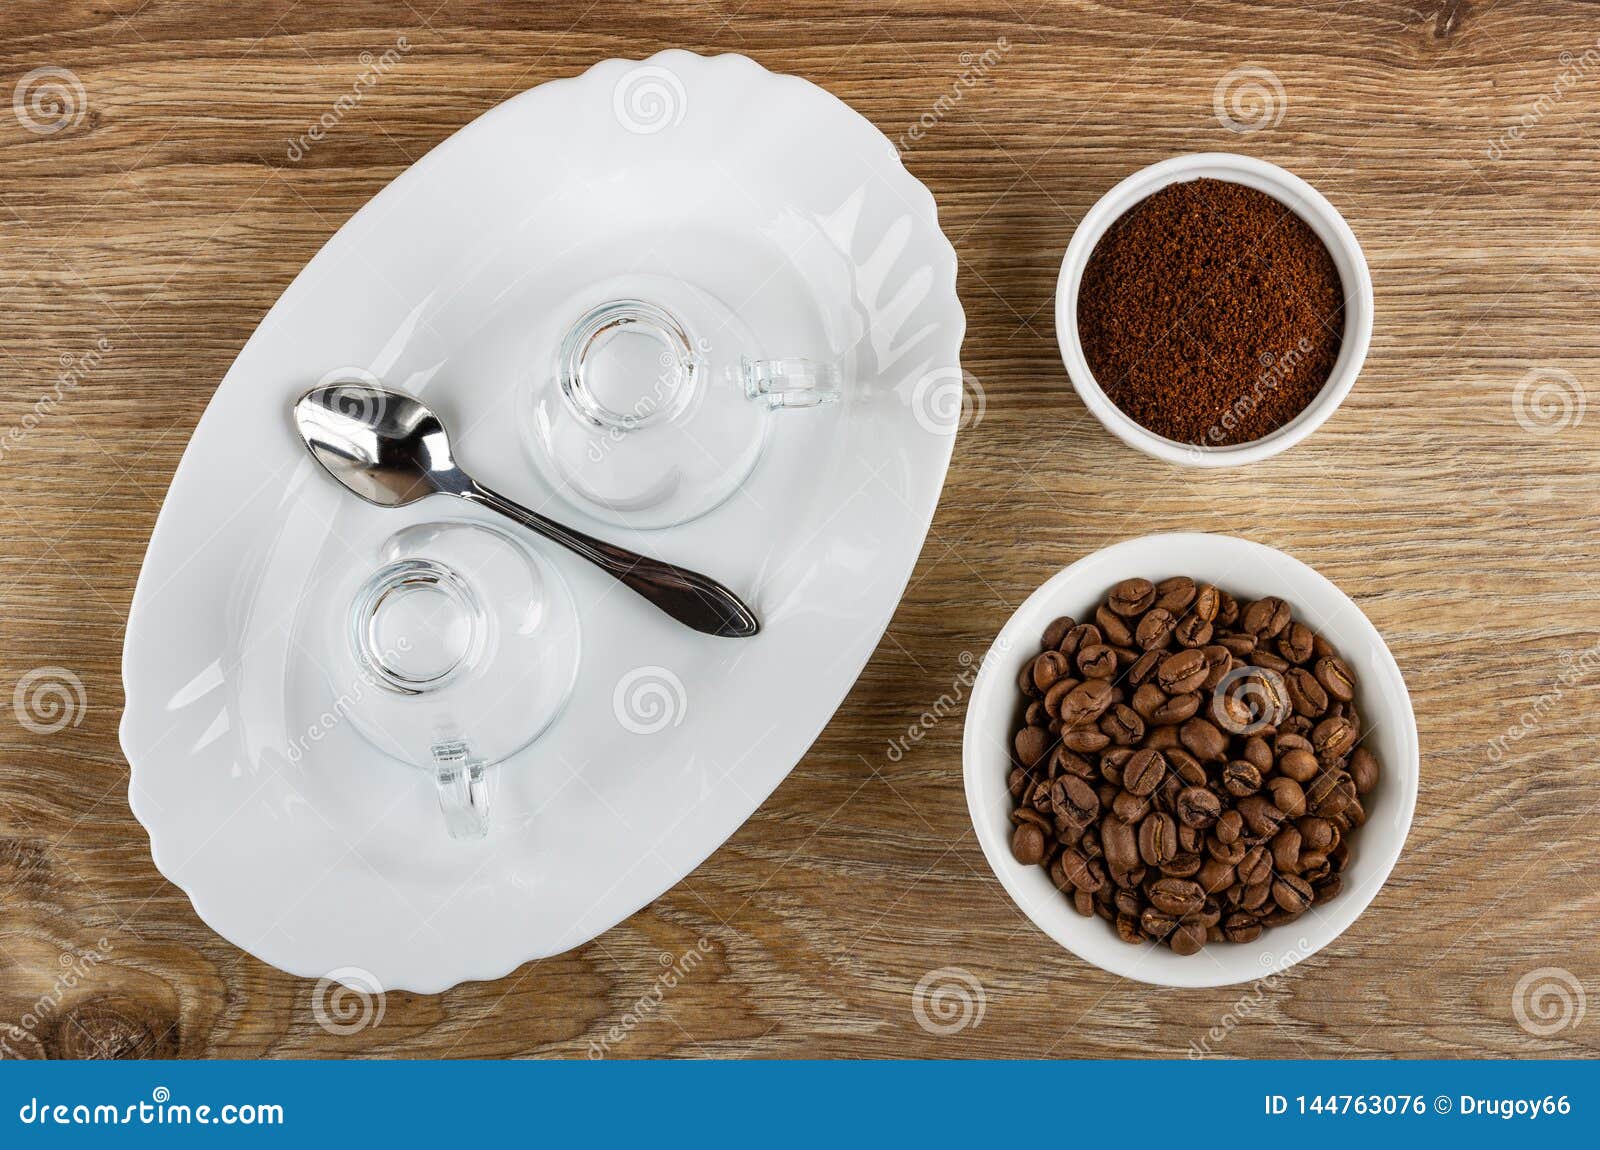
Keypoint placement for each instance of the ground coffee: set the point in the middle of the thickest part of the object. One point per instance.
(1187, 767)
(1210, 313)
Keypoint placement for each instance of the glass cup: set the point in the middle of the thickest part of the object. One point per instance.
(651, 405)
(458, 649)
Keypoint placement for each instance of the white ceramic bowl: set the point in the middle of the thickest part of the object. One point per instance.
(1246, 570)
(1307, 203)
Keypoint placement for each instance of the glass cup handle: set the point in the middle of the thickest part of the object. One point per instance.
(790, 382)
(463, 790)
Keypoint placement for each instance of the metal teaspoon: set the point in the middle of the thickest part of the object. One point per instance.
(391, 450)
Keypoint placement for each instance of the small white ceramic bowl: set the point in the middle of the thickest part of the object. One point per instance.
(1248, 571)
(1288, 189)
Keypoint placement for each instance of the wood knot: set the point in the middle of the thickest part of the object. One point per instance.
(113, 1026)
(1448, 18)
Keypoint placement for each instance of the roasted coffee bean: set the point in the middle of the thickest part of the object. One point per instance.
(1187, 939)
(1154, 799)
(1085, 740)
(1130, 808)
(1074, 801)
(1081, 636)
(1056, 695)
(1147, 698)
(1064, 761)
(1305, 693)
(1204, 741)
(1192, 632)
(1131, 596)
(1295, 725)
(1198, 807)
(1031, 744)
(1292, 893)
(1260, 816)
(1027, 844)
(1176, 895)
(1186, 767)
(1285, 847)
(1144, 667)
(1176, 710)
(1057, 631)
(1336, 678)
(1265, 617)
(1239, 646)
(1112, 760)
(1317, 834)
(1299, 765)
(1116, 629)
(1090, 843)
(1215, 877)
(1048, 667)
(1097, 662)
(1028, 814)
(1257, 753)
(1162, 737)
(1287, 796)
(1256, 895)
(1240, 778)
(1231, 852)
(1058, 876)
(1176, 594)
(1325, 796)
(1184, 864)
(1158, 839)
(1294, 644)
(1269, 661)
(1241, 927)
(1118, 840)
(1333, 738)
(1182, 671)
(1363, 770)
(1155, 629)
(1144, 771)
(1083, 873)
(1086, 702)
(1256, 866)
(1219, 661)
(1157, 924)
(1123, 725)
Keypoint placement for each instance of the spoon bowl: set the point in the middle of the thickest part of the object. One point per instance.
(386, 447)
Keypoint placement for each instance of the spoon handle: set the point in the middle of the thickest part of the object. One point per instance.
(695, 600)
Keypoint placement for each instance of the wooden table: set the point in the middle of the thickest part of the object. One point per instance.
(142, 242)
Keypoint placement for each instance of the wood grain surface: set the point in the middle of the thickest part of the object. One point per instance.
(141, 243)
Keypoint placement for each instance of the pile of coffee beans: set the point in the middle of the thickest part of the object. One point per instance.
(1189, 767)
